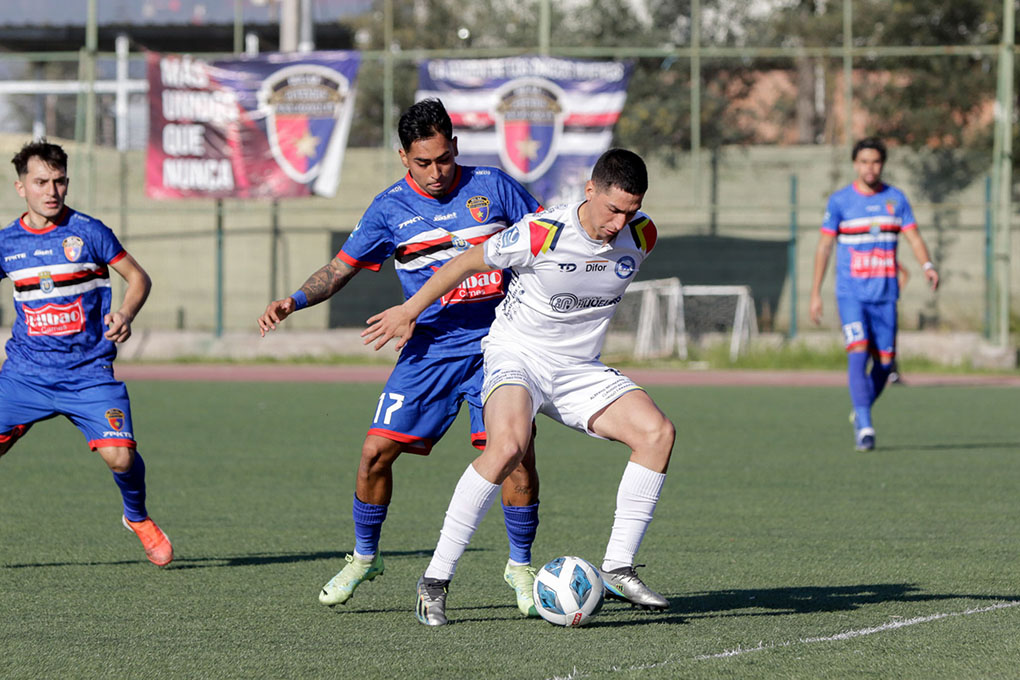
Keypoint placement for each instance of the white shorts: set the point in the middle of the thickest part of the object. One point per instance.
(570, 391)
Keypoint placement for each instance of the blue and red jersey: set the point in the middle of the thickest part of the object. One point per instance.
(421, 233)
(867, 229)
(61, 280)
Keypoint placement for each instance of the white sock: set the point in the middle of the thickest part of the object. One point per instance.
(472, 498)
(635, 504)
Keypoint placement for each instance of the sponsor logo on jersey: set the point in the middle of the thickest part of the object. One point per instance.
(529, 123)
(445, 216)
(509, 237)
(405, 223)
(596, 265)
(46, 284)
(869, 264)
(568, 302)
(72, 247)
(567, 267)
(115, 417)
(38, 253)
(875, 227)
(458, 242)
(15, 256)
(54, 319)
(484, 286)
(479, 207)
(302, 105)
(625, 267)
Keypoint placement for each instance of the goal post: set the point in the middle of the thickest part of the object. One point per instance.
(660, 318)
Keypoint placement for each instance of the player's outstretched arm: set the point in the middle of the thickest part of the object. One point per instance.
(822, 253)
(118, 323)
(399, 321)
(321, 285)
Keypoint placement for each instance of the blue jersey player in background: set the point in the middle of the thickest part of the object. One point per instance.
(439, 209)
(63, 342)
(864, 220)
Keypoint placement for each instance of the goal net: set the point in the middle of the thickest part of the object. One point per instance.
(661, 318)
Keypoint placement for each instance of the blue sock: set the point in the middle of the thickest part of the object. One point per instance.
(521, 527)
(860, 388)
(132, 489)
(368, 521)
(879, 377)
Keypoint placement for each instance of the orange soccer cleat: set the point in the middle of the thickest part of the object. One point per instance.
(157, 545)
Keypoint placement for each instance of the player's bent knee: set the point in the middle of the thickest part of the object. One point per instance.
(118, 458)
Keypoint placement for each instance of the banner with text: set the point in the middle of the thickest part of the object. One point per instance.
(269, 126)
(543, 120)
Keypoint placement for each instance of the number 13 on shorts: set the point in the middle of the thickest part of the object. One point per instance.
(392, 402)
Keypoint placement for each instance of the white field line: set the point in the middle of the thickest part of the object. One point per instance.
(575, 673)
(850, 634)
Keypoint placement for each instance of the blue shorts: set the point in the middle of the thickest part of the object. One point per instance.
(422, 397)
(97, 405)
(869, 325)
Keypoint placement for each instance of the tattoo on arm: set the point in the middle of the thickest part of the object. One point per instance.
(327, 281)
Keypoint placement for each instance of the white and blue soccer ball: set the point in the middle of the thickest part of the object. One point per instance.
(568, 591)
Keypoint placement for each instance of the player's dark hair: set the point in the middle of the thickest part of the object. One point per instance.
(50, 154)
(422, 120)
(869, 143)
(622, 169)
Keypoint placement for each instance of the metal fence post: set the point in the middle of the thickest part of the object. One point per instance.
(791, 257)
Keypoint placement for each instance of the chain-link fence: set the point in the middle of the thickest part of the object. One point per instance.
(745, 112)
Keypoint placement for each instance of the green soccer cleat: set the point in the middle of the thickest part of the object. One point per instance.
(522, 580)
(341, 587)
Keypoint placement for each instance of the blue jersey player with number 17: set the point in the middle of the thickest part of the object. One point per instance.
(864, 221)
(439, 209)
(62, 346)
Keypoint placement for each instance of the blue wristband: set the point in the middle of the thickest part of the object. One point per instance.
(300, 300)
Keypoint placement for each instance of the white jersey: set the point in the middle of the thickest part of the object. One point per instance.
(564, 285)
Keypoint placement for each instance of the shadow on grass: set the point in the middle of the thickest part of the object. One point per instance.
(806, 600)
(778, 602)
(252, 560)
(974, 446)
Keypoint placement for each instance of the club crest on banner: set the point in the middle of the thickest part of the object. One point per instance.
(72, 247)
(302, 104)
(529, 122)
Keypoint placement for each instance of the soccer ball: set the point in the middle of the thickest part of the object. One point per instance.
(568, 591)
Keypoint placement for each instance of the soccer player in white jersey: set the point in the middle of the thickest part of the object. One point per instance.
(571, 265)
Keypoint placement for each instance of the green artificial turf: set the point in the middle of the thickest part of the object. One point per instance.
(774, 541)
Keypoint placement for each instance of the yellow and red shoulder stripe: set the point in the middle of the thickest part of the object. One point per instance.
(644, 233)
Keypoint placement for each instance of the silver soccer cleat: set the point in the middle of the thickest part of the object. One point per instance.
(431, 605)
(624, 584)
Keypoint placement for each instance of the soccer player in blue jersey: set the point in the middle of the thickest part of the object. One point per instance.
(63, 343)
(436, 211)
(864, 221)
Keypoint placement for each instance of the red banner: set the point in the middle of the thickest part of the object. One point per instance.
(271, 126)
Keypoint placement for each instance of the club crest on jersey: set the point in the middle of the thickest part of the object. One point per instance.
(115, 417)
(46, 284)
(302, 105)
(890, 207)
(479, 208)
(72, 247)
(529, 121)
(625, 267)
